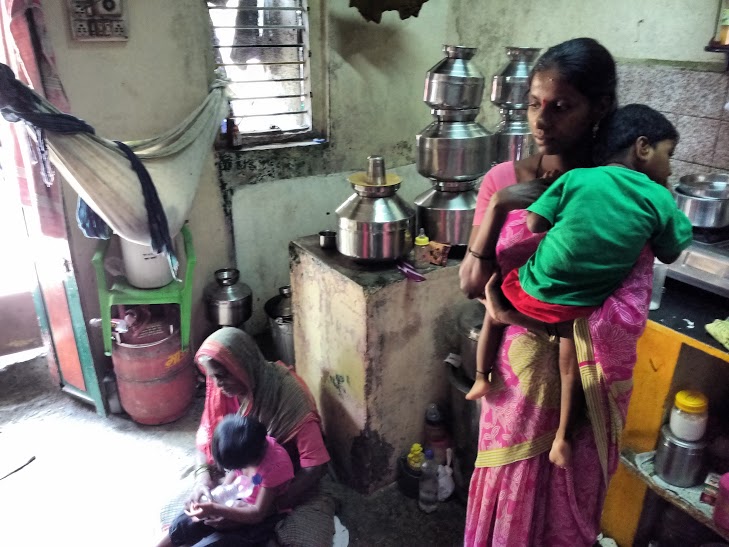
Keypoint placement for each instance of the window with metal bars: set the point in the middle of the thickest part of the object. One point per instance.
(262, 47)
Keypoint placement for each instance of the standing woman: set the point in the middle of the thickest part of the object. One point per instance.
(516, 496)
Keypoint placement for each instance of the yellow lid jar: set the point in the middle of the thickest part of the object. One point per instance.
(689, 415)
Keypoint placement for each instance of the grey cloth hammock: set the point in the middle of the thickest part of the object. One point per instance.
(103, 172)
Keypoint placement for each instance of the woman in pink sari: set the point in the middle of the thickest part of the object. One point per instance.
(517, 497)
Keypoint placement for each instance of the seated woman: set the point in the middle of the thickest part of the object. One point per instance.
(244, 382)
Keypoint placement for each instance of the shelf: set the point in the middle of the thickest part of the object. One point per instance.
(686, 499)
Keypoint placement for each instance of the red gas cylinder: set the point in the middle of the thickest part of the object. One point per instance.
(155, 378)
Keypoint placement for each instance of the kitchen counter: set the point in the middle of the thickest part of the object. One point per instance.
(687, 309)
(372, 276)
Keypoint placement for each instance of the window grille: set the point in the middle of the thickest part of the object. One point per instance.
(262, 47)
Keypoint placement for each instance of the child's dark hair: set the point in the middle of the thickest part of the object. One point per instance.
(586, 65)
(238, 442)
(621, 129)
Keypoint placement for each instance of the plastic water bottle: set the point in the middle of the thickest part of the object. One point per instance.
(428, 491)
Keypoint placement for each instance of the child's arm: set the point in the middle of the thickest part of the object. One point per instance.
(230, 476)
(241, 514)
(537, 223)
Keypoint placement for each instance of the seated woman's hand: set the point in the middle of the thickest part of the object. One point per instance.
(474, 273)
(201, 491)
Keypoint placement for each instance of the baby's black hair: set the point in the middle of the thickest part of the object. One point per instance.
(239, 442)
(621, 129)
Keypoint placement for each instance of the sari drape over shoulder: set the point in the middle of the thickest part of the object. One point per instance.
(278, 397)
(516, 496)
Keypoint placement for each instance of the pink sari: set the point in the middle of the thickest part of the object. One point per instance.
(517, 497)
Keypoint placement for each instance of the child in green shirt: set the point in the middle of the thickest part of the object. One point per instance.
(597, 222)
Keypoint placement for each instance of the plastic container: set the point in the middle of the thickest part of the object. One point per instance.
(144, 268)
(721, 509)
(689, 415)
(420, 251)
(428, 487)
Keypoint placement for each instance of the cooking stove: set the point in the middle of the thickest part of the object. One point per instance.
(705, 264)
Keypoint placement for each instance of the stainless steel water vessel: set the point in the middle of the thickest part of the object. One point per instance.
(374, 223)
(446, 211)
(454, 83)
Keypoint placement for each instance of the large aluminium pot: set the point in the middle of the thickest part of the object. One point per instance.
(228, 301)
(454, 83)
(445, 212)
(510, 86)
(454, 147)
(374, 223)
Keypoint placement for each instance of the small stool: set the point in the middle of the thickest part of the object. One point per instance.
(121, 292)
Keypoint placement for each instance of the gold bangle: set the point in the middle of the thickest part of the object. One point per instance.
(479, 255)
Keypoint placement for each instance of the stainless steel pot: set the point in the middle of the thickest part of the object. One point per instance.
(281, 323)
(446, 212)
(454, 83)
(454, 147)
(470, 321)
(712, 185)
(374, 224)
(228, 301)
(703, 212)
(513, 140)
(510, 86)
(679, 462)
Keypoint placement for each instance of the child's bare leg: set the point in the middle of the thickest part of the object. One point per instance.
(486, 351)
(561, 452)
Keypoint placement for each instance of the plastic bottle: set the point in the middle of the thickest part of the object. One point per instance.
(435, 433)
(422, 256)
(428, 490)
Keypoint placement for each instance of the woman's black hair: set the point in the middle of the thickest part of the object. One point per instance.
(586, 65)
(238, 442)
(622, 128)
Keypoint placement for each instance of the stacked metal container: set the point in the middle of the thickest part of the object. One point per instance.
(454, 151)
(509, 91)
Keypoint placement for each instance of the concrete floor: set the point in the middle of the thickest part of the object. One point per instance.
(100, 481)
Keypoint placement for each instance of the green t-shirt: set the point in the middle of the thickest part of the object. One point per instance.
(601, 220)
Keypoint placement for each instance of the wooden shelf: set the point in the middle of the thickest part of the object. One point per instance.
(701, 512)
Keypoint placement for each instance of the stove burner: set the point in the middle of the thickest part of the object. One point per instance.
(711, 236)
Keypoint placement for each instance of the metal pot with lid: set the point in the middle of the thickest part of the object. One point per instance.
(704, 199)
(228, 301)
(374, 223)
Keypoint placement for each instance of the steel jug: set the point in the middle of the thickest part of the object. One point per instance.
(228, 302)
(510, 86)
(454, 83)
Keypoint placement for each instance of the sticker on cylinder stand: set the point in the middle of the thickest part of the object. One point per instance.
(175, 359)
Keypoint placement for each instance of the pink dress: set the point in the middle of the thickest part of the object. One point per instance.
(517, 497)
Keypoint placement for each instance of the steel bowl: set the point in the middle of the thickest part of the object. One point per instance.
(712, 185)
(703, 212)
